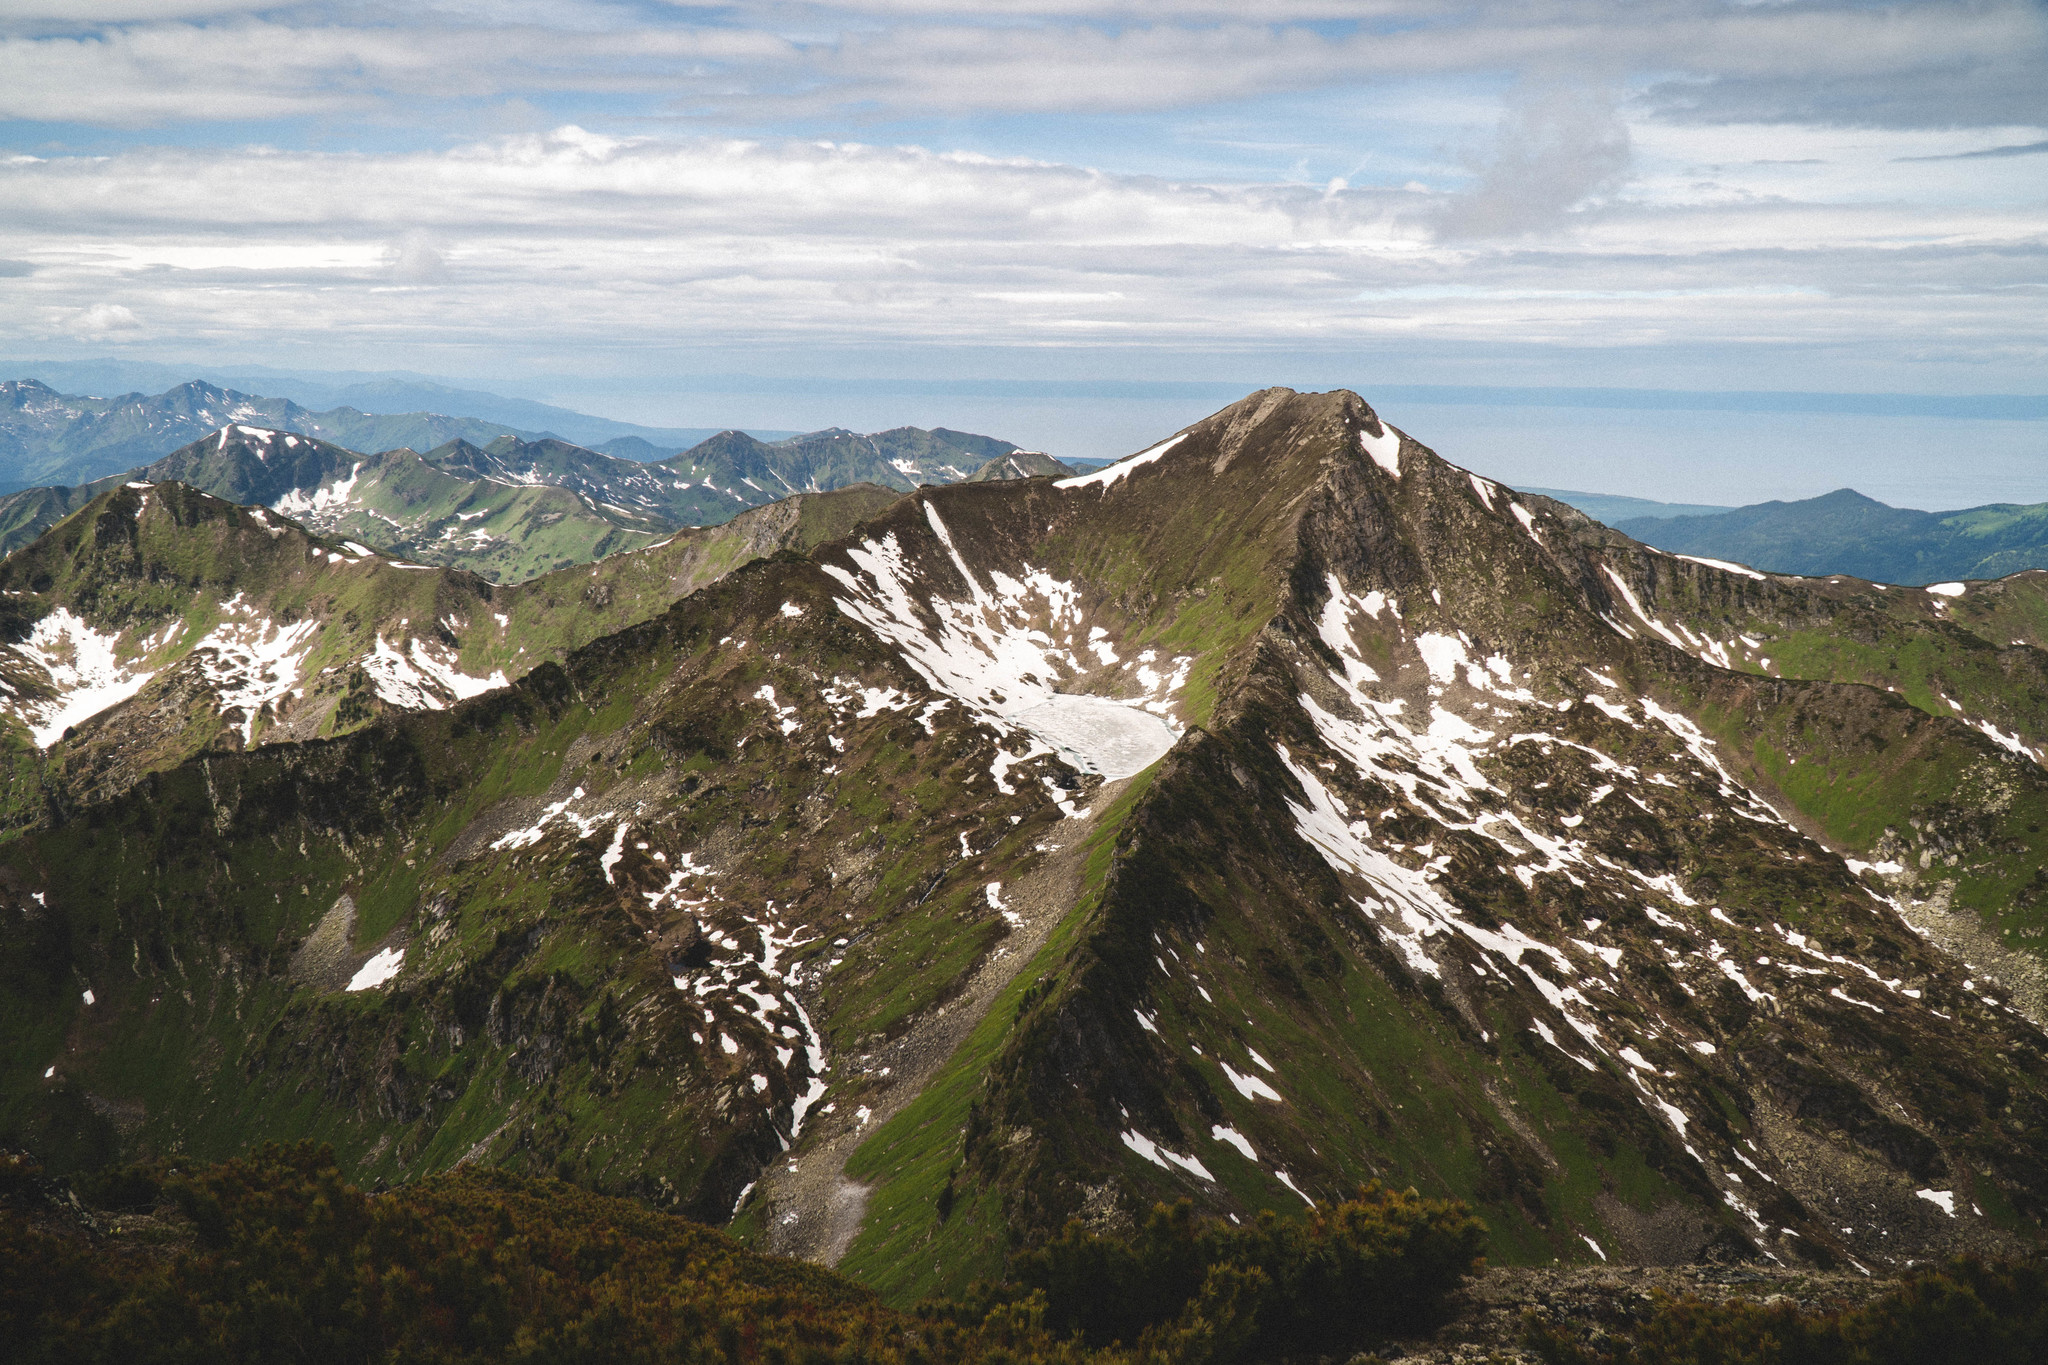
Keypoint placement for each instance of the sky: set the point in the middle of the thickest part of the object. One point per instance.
(679, 214)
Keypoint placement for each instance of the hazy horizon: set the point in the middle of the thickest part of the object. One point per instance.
(1731, 448)
(609, 204)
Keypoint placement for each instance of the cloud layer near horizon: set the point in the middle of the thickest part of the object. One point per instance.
(1581, 174)
(1942, 63)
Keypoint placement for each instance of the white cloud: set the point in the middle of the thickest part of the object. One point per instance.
(250, 69)
(102, 319)
(416, 258)
(572, 240)
(1676, 173)
(121, 11)
(1559, 143)
(1939, 63)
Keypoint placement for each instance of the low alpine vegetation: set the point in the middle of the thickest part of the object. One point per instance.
(1970, 1312)
(1184, 1287)
(275, 1256)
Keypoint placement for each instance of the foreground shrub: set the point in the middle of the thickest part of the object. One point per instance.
(283, 1260)
(275, 1257)
(1191, 1288)
(1971, 1312)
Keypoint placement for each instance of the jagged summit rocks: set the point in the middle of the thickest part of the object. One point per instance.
(1279, 809)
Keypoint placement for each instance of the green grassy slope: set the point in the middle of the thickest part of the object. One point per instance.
(1455, 878)
(1947, 808)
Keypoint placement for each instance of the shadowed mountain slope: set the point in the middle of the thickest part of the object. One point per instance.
(1278, 809)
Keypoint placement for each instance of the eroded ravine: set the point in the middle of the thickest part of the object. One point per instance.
(808, 1205)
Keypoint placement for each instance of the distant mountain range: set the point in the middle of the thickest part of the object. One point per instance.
(387, 392)
(1845, 532)
(630, 488)
(52, 438)
(1842, 532)
(1614, 509)
(510, 508)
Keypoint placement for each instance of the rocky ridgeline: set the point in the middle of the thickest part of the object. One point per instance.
(1279, 809)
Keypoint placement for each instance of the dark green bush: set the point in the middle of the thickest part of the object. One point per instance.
(275, 1257)
(1971, 1312)
(283, 1260)
(1380, 1263)
(20, 1180)
(121, 1189)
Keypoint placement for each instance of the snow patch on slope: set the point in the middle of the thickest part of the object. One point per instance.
(1094, 734)
(1161, 1156)
(1007, 653)
(330, 498)
(1723, 565)
(752, 983)
(1384, 448)
(252, 661)
(1104, 477)
(84, 671)
(378, 971)
(418, 681)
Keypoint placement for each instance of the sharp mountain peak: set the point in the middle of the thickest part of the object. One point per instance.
(1278, 809)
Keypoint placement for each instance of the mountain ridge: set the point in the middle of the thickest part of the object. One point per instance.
(512, 508)
(386, 392)
(1417, 831)
(47, 438)
(161, 621)
(1845, 532)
